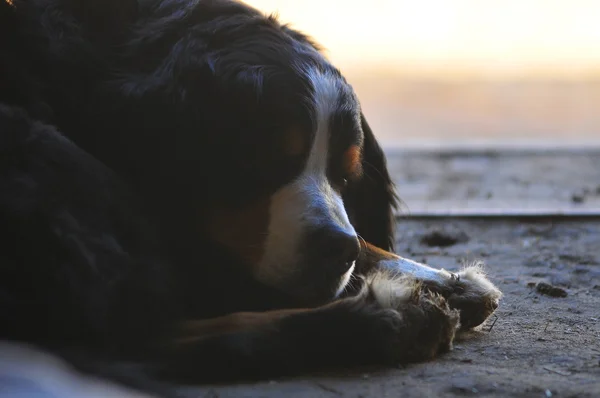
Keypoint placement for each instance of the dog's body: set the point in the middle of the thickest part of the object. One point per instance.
(193, 184)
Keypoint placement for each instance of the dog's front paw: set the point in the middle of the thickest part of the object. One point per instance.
(472, 293)
(414, 324)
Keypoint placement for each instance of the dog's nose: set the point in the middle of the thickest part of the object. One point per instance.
(345, 248)
(337, 247)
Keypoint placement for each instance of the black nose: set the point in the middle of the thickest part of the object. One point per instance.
(337, 247)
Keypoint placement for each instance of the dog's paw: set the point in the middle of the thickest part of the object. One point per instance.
(414, 324)
(472, 293)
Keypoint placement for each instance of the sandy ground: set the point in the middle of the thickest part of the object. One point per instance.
(537, 346)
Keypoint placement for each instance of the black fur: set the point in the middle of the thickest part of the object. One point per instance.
(120, 121)
(372, 200)
(77, 258)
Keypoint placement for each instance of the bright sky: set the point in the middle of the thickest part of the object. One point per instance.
(505, 37)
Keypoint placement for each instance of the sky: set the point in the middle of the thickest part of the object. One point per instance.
(452, 37)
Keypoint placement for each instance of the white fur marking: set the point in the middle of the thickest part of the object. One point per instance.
(391, 291)
(417, 270)
(325, 99)
(309, 201)
(345, 279)
(479, 285)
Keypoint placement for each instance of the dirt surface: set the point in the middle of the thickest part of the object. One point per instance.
(537, 346)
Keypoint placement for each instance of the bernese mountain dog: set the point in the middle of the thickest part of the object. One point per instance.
(192, 185)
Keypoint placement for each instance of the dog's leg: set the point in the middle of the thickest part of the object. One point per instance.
(468, 290)
(390, 321)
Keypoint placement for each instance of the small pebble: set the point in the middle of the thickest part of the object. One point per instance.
(578, 197)
(444, 237)
(549, 290)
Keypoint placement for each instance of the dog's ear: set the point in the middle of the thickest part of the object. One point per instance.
(371, 200)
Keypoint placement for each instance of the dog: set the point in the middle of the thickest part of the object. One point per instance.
(192, 185)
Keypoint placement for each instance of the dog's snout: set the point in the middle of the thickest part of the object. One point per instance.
(337, 246)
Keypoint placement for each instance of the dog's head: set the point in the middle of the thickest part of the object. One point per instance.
(320, 186)
(245, 118)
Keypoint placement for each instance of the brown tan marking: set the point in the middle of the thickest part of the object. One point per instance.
(370, 256)
(193, 331)
(352, 160)
(295, 142)
(242, 230)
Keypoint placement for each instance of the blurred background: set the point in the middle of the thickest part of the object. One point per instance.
(464, 73)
